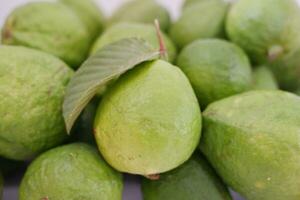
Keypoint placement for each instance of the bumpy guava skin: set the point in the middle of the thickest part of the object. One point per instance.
(71, 172)
(32, 87)
(129, 30)
(145, 11)
(216, 69)
(252, 140)
(263, 79)
(89, 13)
(194, 180)
(196, 22)
(269, 32)
(149, 121)
(50, 27)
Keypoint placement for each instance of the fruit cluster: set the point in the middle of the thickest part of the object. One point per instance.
(194, 107)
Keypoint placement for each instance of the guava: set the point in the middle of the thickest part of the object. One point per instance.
(89, 13)
(196, 22)
(32, 88)
(216, 69)
(191, 2)
(269, 32)
(149, 121)
(145, 11)
(130, 30)
(252, 141)
(263, 79)
(194, 180)
(50, 27)
(71, 172)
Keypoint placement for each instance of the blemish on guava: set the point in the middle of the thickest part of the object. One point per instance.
(45, 198)
(153, 177)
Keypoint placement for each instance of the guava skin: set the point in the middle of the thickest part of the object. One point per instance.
(263, 79)
(196, 22)
(31, 95)
(145, 11)
(129, 30)
(90, 15)
(50, 27)
(149, 121)
(71, 172)
(216, 69)
(252, 140)
(270, 35)
(194, 180)
(192, 2)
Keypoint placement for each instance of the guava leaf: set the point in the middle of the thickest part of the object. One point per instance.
(107, 64)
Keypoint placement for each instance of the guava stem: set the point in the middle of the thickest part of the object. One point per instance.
(162, 46)
(153, 177)
(274, 52)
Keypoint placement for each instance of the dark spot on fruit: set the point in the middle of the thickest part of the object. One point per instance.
(153, 177)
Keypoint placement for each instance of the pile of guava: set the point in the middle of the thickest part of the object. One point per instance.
(199, 107)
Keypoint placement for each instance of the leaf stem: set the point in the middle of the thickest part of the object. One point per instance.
(162, 47)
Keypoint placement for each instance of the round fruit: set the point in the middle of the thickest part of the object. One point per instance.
(191, 2)
(269, 32)
(149, 121)
(253, 141)
(196, 23)
(216, 69)
(263, 79)
(145, 11)
(32, 86)
(50, 27)
(71, 172)
(194, 180)
(129, 30)
(90, 15)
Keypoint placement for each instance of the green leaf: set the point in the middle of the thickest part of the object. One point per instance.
(107, 64)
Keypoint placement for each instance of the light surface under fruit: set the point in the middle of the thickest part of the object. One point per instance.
(50, 27)
(196, 22)
(32, 87)
(263, 79)
(149, 122)
(145, 11)
(194, 180)
(216, 69)
(137, 30)
(253, 142)
(71, 172)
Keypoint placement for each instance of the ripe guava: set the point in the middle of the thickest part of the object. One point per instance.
(268, 31)
(130, 30)
(89, 13)
(253, 142)
(263, 79)
(71, 172)
(50, 27)
(32, 88)
(145, 11)
(194, 180)
(149, 121)
(216, 69)
(196, 22)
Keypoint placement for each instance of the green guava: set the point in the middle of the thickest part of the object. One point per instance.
(263, 79)
(50, 27)
(32, 87)
(216, 69)
(129, 30)
(149, 121)
(268, 31)
(191, 2)
(145, 11)
(194, 180)
(89, 13)
(196, 22)
(71, 172)
(252, 140)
